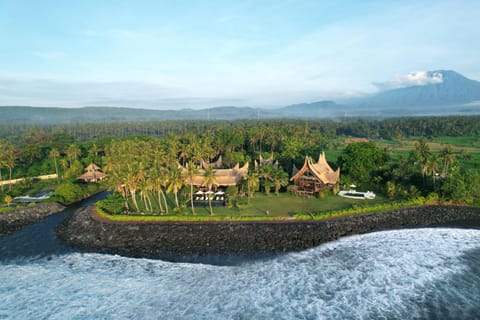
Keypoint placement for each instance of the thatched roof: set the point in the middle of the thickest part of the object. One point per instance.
(214, 165)
(92, 167)
(321, 170)
(263, 161)
(224, 177)
(92, 173)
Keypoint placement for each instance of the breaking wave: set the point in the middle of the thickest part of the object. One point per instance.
(404, 274)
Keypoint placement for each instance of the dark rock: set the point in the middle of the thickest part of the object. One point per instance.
(179, 239)
(18, 218)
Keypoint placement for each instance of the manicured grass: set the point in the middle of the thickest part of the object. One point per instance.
(314, 214)
(263, 207)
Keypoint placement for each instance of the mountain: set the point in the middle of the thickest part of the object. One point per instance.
(318, 109)
(450, 93)
(454, 89)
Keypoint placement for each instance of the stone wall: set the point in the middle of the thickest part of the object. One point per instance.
(16, 219)
(166, 239)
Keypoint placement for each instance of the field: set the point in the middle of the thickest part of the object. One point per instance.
(466, 149)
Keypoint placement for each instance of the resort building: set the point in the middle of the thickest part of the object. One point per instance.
(92, 174)
(223, 177)
(263, 161)
(214, 165)
(314, 177)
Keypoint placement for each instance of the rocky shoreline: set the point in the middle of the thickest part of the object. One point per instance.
(83, 230)
(18, 218)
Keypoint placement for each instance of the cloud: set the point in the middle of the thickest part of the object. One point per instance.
(417, 78)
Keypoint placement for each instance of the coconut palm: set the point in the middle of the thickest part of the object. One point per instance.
(279, 179)
(192, 170)
(209, 180)
(253, 183)
(448, 159)
(54, 154)
(433, 166)
(175, 182)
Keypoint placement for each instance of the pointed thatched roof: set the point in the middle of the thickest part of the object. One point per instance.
(321, 170)
(92, 167)
(92, 173)
(262, 161)
(214, 165)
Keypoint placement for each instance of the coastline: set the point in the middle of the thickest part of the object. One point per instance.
(18, 218)
(84, 230)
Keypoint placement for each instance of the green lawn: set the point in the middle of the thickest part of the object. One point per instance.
(284, 205)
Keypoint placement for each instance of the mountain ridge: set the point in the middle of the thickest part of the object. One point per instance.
(455, 94)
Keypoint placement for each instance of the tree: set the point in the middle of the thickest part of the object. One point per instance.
(8, 199)
(448, 159)
(7, 158)
(209, 180)
(279, 179)
(192, 170)
(68, 191)
(253, 183)
(358, 160)
(433, 166)
(73, 153)
(54, 154)
(175, 182)
(423, 152)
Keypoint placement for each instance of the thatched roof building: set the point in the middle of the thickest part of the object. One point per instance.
(93, 173)
(314, 177)
(214, 165)
(224, 177)
(263, 161)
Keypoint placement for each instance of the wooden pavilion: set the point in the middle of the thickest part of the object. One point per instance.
(314, 177)
(93, 173)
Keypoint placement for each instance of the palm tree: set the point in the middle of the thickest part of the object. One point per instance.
(64, 165)
(253, 182)
(279, 179)
(448, 158)
(423, 151)
(209, 180)
(54, 154)
(433, 166)
(175, 182)
(192, 170)
(131, 182)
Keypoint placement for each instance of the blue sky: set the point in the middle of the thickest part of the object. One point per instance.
(175, 54)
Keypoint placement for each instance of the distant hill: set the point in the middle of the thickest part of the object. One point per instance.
(455, 94)
(319, 109)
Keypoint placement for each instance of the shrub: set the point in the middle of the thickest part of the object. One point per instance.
(69, 191)
(113, 203)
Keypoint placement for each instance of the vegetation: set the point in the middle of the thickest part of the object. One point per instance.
(404, 159)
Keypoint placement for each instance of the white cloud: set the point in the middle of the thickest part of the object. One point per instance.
(417, 78)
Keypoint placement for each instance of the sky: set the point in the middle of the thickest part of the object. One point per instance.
(181, 54)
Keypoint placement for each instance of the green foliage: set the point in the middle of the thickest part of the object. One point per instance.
(461, 187)
(75, 170)
(68, 191)
(6, 209)
(378, 208)
(359, 160)
(113, 204)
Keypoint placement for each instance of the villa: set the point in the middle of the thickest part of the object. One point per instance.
(314, 177)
